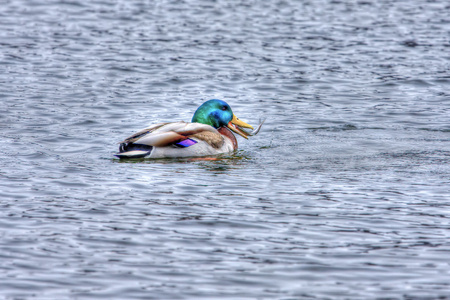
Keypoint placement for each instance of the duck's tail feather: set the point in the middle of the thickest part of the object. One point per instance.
(133, 154)
(131, 150)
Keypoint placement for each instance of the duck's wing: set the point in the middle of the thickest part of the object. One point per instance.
(141, 143)
(133, 138)
(165, 134)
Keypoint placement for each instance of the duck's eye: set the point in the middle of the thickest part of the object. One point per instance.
(224, 107)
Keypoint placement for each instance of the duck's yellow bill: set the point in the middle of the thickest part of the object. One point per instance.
(235, 125)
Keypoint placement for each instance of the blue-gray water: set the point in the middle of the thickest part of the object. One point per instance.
(344, 194)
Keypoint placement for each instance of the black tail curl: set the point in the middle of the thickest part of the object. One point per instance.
(124, 147)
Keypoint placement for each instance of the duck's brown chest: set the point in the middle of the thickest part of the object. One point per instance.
(226, 132)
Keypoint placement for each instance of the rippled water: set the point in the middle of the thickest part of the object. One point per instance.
(344, 194)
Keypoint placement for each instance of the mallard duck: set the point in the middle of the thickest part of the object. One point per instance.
(209, 133)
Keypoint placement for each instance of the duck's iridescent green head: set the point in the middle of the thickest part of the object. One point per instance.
(218, 113)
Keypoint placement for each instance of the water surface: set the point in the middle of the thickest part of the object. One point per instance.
(344, 194)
